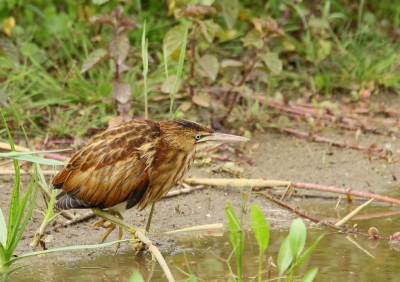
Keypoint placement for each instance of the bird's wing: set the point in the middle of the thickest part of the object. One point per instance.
(112, 169)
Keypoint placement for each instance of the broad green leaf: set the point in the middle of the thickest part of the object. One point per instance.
(285, 257)
(273, 63)
(95, 57)
(308, 252)
(260, 227)
(230, 11)
(174, 39)
(119, 47)
(310, 275)
(254, 38)
(297, 237)
(209, 63)
(136, 277)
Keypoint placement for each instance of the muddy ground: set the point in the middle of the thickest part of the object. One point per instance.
(277, 156)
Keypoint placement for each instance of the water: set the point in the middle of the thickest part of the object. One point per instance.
(337, 257)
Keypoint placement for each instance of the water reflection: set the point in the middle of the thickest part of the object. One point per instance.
(337, 257)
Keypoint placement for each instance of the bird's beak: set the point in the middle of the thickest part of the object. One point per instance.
(218, 138)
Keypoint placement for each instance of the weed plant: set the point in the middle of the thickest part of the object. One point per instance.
(290, 256)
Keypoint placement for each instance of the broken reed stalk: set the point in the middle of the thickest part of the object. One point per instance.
(156, 253)
(348, 217)
(271, 183)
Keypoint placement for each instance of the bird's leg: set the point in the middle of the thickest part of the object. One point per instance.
(115, 219)
(150, 217)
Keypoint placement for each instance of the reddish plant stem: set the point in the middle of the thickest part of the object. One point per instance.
(352, 192)
(56, 157)
(317, 220)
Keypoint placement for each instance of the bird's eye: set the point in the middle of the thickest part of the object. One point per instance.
(198, 136)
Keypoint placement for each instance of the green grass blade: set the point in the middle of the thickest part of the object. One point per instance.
(236, 237)
(32, 159)
(70, 248)
(308, 252)
(14, 205)
(29, 210)
(178, 72)
(3, 230)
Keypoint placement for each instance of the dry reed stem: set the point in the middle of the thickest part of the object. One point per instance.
(153, 249)
(348, 217)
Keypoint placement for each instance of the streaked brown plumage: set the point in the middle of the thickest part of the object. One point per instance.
(133, 164)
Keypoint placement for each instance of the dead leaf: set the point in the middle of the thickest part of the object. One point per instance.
(201, 100)
(185, 106)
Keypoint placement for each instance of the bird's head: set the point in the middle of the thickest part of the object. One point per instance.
(189, 135)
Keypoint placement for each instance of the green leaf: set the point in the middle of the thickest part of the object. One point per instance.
(136, 277)
(254, 38)
(94, 58)
(297, 235)
(285, 257)
(310, 275)
(209, 63)
(273, 63)
(236, 236)
(173, 39)
(230, 11)
(260, 227)
(119, 47)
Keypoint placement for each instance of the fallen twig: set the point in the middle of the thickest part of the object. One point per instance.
(316, 220)
(346, 192)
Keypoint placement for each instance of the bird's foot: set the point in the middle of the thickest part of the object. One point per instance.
(110, 228)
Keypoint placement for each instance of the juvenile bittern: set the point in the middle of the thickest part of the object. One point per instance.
(132, 164)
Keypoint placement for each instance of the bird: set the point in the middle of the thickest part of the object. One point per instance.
(132, 164)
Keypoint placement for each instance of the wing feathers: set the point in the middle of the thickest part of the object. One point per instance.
(109, 170)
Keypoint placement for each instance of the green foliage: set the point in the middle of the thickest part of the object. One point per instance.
(290, 255)
(236, 236)
(136, 277)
